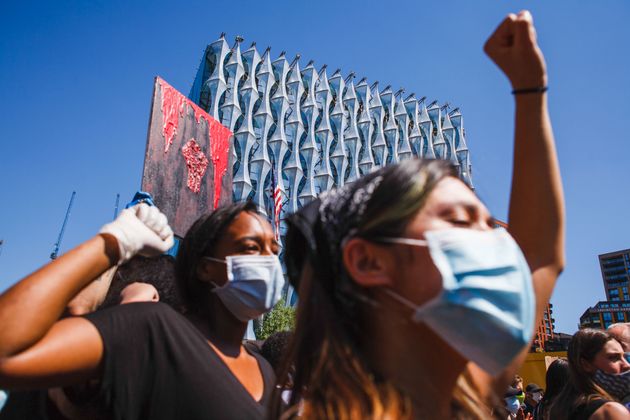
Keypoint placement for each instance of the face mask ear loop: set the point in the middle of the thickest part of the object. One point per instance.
(216, 286)
(401, 299)
(215, 260)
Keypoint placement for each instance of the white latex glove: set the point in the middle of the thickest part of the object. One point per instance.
(140, 230)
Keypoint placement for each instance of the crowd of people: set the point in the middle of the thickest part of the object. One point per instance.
(412, 303)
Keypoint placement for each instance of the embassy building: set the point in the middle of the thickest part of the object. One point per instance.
(300, 130)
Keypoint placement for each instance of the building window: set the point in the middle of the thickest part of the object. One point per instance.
(607, 316)
(613, 292)
(620, 317)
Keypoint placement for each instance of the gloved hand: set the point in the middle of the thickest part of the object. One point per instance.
(140, 230)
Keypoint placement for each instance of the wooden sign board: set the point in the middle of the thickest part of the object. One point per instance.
(188, 159)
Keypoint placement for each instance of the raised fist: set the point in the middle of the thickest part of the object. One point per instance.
(514, 49)
(140, 230)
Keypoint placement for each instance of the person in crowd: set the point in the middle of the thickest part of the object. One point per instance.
(512, 403)
(556, 378)
(275, 347)
(139, 292)
(149, 360)
(274, 350)
(145, 279)
(412, 305)
(111, 288)
(621, 332)
(596, 359)
(517, 383)
(533, 395)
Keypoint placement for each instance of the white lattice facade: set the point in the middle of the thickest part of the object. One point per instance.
(303, 131)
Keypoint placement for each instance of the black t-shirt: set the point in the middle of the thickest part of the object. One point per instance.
(157, 365)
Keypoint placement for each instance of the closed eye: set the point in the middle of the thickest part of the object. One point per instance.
(250, 247)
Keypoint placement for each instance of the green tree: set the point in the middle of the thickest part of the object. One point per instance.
(280, 318)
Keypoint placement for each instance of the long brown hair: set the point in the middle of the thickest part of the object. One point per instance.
(332, 377)
(580, 388)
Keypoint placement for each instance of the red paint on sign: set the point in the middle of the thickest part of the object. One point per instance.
(174, 105)
(196, 162)
(220, 146)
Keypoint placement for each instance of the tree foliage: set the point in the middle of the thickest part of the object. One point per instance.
(280, 318)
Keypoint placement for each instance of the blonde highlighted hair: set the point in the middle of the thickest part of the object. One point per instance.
(332, 378)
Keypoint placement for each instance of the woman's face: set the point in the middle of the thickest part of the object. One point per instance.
(451, 204)
(248, 234)
(610, 359)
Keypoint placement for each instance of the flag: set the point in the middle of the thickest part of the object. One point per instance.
(276, 195)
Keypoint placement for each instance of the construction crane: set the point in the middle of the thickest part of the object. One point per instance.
(116, 205)
(55, 252)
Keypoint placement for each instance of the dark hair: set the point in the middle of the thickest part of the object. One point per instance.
(158, 271)
(199, 242)
(275, 347)
(580, 388)
(333, 378)
(556, 378)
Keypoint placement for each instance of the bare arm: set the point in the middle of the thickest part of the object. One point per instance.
(37, 350)
(536, 213)
(93, 295)
(610, 411)
(29, 309)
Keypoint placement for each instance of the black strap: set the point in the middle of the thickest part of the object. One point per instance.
(538, 89)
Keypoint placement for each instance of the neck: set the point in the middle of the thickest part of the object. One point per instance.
(417, 361)
(222, 329)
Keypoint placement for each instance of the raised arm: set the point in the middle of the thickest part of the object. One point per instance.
(536, 215)
(38, 350)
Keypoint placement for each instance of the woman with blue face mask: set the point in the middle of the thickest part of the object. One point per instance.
(412, 303)
(146, 360)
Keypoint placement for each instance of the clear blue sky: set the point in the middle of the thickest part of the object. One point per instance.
(76, 81)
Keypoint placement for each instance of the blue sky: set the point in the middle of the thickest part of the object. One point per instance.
(76, 80)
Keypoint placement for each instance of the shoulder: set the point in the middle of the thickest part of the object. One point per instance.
(135, 312)
(140, 320)
(609, 411)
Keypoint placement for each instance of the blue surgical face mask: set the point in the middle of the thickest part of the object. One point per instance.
(512, 405)
(486, 308)
(254, 285)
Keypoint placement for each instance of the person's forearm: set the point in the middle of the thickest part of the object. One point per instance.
(93, 295)
(30, 308)
(536, 214)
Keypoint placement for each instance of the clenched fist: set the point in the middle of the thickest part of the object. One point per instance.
(140, 230)
(514, 49)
